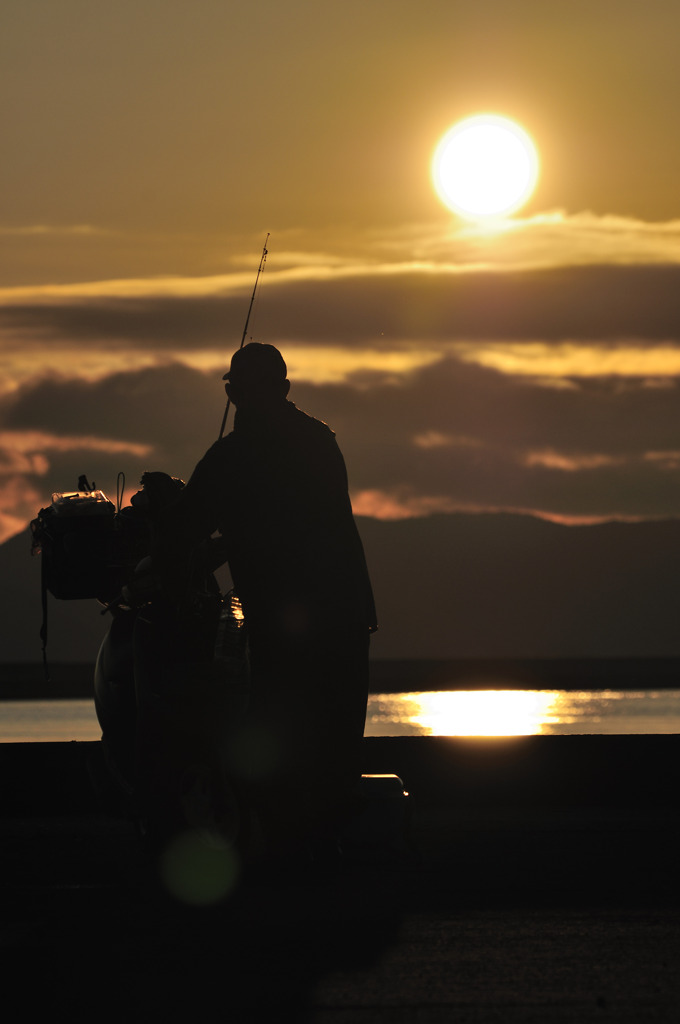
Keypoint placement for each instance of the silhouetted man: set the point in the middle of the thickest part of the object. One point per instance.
(276, 489)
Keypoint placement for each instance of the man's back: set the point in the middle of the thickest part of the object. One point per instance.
(276, 488)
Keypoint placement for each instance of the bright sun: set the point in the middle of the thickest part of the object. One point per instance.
(485, 166)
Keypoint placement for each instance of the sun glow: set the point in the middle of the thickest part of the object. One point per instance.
(485, 166)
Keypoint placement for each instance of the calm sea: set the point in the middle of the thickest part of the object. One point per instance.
(431, 713)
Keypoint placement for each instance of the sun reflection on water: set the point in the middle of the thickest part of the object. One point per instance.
(474, 712)
(522, 712)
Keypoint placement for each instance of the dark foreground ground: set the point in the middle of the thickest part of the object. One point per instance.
(541, 885)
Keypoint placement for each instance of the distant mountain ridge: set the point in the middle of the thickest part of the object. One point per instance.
(501, 585)
(448, 586)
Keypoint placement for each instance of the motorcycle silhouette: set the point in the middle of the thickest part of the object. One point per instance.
(172, 682)
(171, 679)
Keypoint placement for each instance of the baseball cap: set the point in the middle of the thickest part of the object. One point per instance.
(257, 361)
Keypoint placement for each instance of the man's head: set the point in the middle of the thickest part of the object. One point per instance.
(257, 376)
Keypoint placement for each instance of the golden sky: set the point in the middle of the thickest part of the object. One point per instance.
(148, 148)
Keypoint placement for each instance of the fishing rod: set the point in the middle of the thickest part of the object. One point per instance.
(263, 260)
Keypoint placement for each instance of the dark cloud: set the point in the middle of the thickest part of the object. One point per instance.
(151, 322)
(173, 410)
(506, 412)
(607, 303)
(494, 424)
(164, 406)
(470, 435)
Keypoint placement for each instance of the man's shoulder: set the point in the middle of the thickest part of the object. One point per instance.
(221, 450)
(307, 424)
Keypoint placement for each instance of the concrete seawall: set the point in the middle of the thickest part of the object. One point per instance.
(540, 884)
(555, 771)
